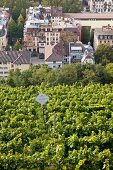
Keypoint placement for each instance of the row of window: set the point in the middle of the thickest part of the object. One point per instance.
(5, 72)
(105, 37)
(3, 67)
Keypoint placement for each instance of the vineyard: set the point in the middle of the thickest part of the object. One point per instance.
(75, 132)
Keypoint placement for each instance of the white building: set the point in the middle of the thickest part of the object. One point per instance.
(43, 28)
(100, 6)
(70, 53)
(103, 35)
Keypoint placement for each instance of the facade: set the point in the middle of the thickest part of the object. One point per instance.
(87, 58)
(43, 28)
(100, 6)
(3, 37)
(92, 19)
(103, 35)
(70, 53)
(10, 60)
(4, 18)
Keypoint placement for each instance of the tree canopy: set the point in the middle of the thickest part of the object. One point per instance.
(104, 54)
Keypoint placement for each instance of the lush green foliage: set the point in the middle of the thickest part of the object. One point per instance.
(104, 54)
(67, 75)
(75, 133)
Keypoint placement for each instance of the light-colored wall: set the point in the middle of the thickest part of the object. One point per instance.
(5, 68)
(3, 42)
(101, 41)
(54, 65)
(96, 23)
(48, 51)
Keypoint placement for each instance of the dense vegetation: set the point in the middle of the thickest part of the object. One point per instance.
(75, 133)
(67, 75)
(68, 5)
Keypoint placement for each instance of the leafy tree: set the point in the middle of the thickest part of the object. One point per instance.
(12, 29)
(85, 34)
(15, 13)
(104, 54)
(20, 19)
(68, 36)
(92, 36)
(17, 45)
(20, 30)
(109, 72)
(7, 48)
(23, 12)
(14, 78)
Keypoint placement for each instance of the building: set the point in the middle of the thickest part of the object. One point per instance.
(100, 6)
(11, 60)
(70, 53)
(87, 58)
(92, 19)
(4, 18)
(103, 35)
(43, 28)
(3, 37)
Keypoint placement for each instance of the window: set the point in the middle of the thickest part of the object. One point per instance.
(12, 65)
(54, 62)
(5, 72)
(5, 67)
(1, 72)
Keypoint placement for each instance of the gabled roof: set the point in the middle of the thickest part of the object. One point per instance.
(54, 57)
(16, 57)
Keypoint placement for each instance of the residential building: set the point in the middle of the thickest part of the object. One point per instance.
(92, 19)
(87, 58)
(10, 60)
(100, 6)
(44, 26)
(103, 35)
(4, 18)
(70, 53)
(3, 37)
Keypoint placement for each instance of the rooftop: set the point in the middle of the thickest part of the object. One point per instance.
(16, 57)
(104, 31)
(89, 15)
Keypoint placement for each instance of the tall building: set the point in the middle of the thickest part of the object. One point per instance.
(100, 6)
(43, 28)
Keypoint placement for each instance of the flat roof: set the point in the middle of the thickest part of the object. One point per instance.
(89, 15)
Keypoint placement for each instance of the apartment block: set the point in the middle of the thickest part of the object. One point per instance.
(103, 35)
(43, 28)
(11, 60)
(100, 6)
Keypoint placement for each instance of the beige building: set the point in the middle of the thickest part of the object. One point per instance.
(92, 19)
(100, 6)
(11, 60)
(103, 35)
(43, 28)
